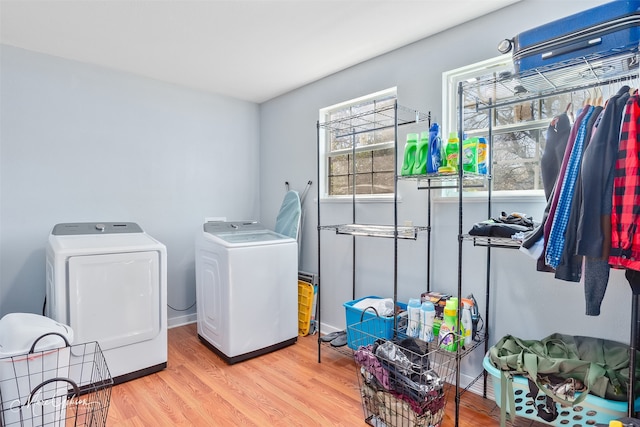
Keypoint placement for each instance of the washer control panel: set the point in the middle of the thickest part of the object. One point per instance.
(215, 227)
(77, 228)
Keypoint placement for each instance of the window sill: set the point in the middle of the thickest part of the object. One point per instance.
(533, 196)
(360, 199)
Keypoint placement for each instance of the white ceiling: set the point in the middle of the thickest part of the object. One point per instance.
(252, 50)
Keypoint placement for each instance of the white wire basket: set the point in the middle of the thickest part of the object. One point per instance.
(67, 386)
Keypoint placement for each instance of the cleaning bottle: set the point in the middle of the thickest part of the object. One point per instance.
(466, 325)
(451, 150)
(413, 314)
(427, 316)
(482, 154)
(434, 160)
(409, 154)
(448, 330)
(422, 154)
(469, 155)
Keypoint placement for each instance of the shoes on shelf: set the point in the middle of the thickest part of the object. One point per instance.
(333, 335)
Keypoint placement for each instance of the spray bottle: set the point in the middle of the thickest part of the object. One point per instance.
(448, 330)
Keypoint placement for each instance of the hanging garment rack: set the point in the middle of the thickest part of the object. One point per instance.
(582, 73)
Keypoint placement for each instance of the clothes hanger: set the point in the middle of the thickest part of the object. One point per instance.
(587, 99)
(598, 102)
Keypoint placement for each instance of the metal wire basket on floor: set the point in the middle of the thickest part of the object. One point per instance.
(402, 380)
(67, 386)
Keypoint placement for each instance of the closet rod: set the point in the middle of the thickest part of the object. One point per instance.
(538, 95)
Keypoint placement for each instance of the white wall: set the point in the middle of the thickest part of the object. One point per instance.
(84, 143)
(524, 302)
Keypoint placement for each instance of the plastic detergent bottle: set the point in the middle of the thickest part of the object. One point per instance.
(422, 154)
(448, 330)
(413, 314)
(434, 161)
(409, 154)
(466, 325)
(452, 149)
(469, 155)
(427, 316)
(482, 154)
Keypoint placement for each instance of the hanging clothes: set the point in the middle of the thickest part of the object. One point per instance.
(551, 160)
(560, 138)
(594, 225)
(569, 267)
(597, 175)
(555, 197)
(625, 213)
(556, 238)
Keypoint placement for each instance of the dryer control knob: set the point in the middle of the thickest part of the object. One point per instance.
(100, 227)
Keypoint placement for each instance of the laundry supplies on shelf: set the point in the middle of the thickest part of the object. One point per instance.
(409, 154)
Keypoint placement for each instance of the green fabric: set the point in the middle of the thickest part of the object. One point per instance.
(602, 365)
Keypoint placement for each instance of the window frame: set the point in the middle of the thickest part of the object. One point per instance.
(324, 150)
(450, 122)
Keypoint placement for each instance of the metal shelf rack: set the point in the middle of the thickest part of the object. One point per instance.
(368, 118)
(508, 88)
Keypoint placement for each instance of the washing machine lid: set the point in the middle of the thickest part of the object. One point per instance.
(85, 239)
(82, 228)
(242, 233)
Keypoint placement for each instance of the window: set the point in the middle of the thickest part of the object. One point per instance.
(519, 130)
(355, 150)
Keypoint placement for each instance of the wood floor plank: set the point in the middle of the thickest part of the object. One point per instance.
(286, 388)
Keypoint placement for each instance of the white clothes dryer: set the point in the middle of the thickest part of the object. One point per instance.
(108, 281)
(246, 287)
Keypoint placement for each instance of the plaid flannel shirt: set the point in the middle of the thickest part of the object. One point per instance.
(625, 214)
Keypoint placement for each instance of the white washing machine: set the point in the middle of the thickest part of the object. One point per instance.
(108, 281)
(247, 289)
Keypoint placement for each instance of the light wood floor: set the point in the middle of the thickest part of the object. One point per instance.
(284, 388)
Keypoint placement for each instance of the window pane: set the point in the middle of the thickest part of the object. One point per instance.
(340, 143)
(514, 176)
(364, 162)
(339, 165)
(384, 160)
(516, 160)
(519, 113)
(339, 186)
(518, 129)
(383, 183)
(363, 128)
(363, 184)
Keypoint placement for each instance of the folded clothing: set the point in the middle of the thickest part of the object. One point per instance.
(491, 228)
(504, 226)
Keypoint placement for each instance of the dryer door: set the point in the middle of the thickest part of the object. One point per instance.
(115, 298)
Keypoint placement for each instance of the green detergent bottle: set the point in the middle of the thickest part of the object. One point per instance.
(409, 154)
(447, 337)
(422, 154)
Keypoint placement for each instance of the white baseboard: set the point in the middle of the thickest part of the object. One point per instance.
(327, 329)
(182, 320)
